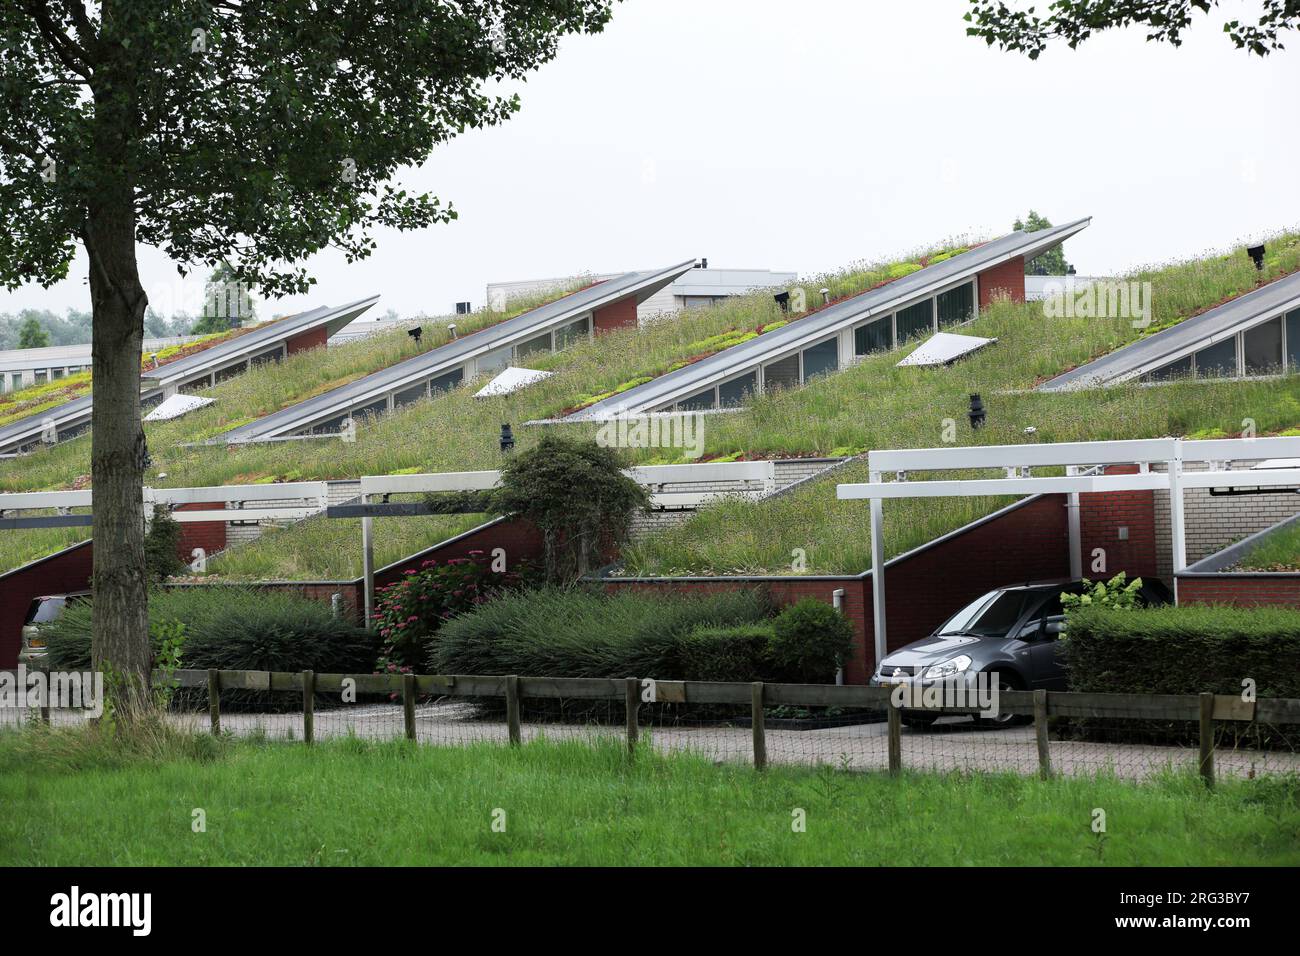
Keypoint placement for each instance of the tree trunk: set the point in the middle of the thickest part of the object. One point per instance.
(120, 644)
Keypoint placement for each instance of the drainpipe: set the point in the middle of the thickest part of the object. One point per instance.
(1076, 535)
(837, 601)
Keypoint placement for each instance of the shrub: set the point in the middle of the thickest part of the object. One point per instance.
(411, 609)
(1113, 594)
(738, 652)
(576, 494)
(810, 640)
(1184, 650)
(576, 632)
(233, 628)
(161, 544)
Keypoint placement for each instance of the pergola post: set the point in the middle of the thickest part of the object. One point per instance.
(878, 573)
(368, 564)
(1177, 534)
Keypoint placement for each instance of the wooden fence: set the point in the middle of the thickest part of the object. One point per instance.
(1203, 709)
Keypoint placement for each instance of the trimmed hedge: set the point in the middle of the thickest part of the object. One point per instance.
(236, 628)
(1184, 650)
(739, 652)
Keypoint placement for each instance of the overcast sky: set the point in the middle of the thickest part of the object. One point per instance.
(808, 136)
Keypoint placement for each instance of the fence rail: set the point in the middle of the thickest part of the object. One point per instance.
(629, 694)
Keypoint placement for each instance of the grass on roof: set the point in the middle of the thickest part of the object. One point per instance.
(1279, 551)
(873, 405)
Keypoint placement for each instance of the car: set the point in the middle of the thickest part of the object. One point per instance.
(41, 612)
(1011, 632)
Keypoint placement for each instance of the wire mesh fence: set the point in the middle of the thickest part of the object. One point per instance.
(852, 728)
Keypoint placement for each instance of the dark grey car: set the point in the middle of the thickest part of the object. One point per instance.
(1011, 632)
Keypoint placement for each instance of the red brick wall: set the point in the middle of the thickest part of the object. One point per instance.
(312, 339)
(616, 315)
(1102, 514)
(1006, 280)
(208, 535)
(69, 570)
(1242, 590)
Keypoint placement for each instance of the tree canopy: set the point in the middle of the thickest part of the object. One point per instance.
(1074, 21)
(1050, 263)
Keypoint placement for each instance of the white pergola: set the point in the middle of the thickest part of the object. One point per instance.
(1085, 464)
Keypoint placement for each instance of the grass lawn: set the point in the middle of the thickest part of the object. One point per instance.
(351, 803)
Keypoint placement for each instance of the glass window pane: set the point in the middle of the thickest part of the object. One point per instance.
(494, 362)
(915, 320)
(872, 337)
(411, 395)
(735, 392)
(695, 403)
(1219, 360)
(1180, 369)
(446, 381)
(956, 305)
(782, 374)
(568, 334)
(1293, 340)
(1263, 348)
(821, 359)
(540, 344)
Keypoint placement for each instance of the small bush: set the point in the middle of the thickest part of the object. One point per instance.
(739, 652)
(408, 611)
(161, 545)
(810, 640)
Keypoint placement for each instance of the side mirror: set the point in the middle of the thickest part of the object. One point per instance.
(1055, 627)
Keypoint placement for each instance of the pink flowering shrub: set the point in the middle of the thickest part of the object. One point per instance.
(411, 609)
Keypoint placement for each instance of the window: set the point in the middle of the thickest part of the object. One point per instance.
(493, 362)
(533, 346)
(875, 336)
(956, 305)
(447, 381)
(1263, 348)
(56, 374)
(411, 395)
(1180, 369)
(566, 335)
(1293, 340)
(821, 359)
(1218, 360)
(915, 320)
(782, 374)
(230, 371)
(705, 399)
(40, 377)
(735, 392)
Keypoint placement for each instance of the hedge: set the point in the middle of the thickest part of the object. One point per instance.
(1184, 650)
(235, 628)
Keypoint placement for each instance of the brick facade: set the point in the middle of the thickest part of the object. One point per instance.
(616, 315)
(1003, 281)
(1242, 590)
(1103, 517)
(313, 339)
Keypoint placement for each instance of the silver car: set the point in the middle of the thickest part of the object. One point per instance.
(41, 612)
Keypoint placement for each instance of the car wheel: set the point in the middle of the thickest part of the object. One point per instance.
(1003, 719)
(919, 721)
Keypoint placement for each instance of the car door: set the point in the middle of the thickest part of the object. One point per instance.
(1042, 633)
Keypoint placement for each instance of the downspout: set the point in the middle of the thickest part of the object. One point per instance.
(1076, 534)
(837, 601)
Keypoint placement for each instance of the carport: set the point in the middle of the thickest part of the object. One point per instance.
(1161, 464)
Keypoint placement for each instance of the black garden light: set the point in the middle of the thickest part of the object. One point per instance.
(415, 333)
(507, 439)
(1256, 253)
(783, 300)
(976, 413)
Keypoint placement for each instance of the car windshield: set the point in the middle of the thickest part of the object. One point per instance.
(989, 616)
(44, 610)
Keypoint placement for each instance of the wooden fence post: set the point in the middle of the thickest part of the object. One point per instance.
(895, 740)
(1207, 738)
(512, 708)
(631, 702)
(214, 700)
(760, 731)
(308, 706)
(408, 704)
(1040, 732)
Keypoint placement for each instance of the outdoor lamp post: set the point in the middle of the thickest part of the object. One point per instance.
(976, 412)
(507, 439)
